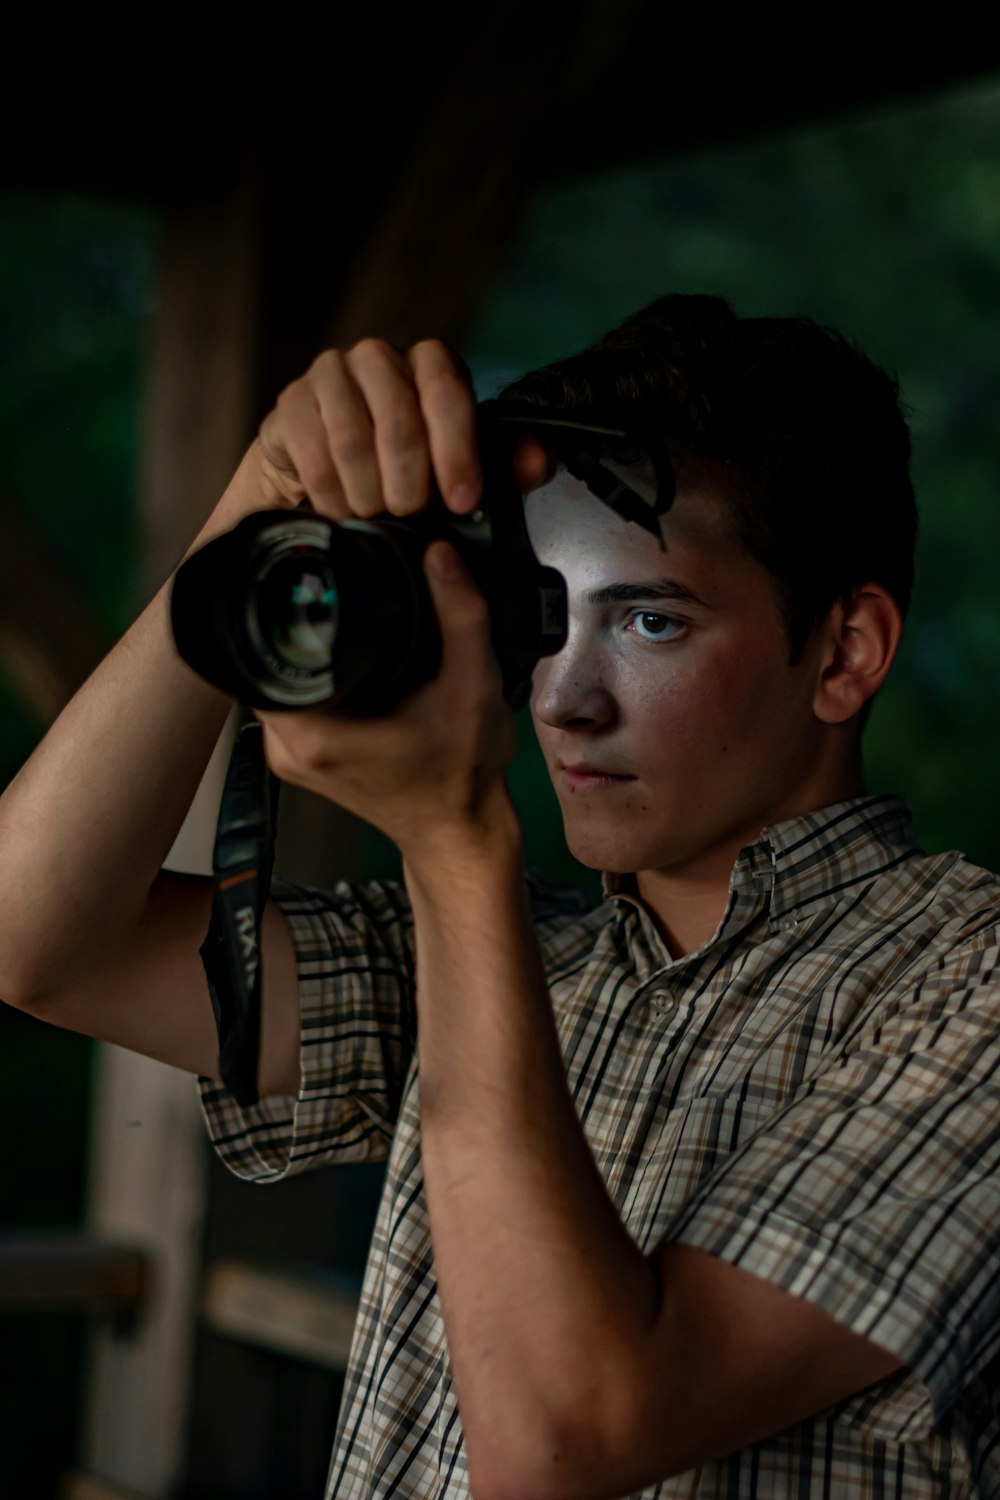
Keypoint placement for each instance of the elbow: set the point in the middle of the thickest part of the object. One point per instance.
(600, 1446)
(515, 1465)
(550, 1479)
(516, 1475)
(15, 994)
(22, 990)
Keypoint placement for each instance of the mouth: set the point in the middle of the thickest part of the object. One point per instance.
(584, 778)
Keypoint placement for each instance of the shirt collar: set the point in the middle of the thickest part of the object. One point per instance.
(806, 859)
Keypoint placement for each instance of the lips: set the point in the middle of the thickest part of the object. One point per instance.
(584, 777)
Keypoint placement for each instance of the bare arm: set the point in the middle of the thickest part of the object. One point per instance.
(92, 935)
(610, 1369)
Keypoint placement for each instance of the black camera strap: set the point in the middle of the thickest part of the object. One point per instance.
(242, 861)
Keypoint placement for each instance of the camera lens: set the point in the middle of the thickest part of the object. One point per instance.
(296, 610)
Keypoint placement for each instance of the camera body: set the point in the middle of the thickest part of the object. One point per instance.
(290, 610)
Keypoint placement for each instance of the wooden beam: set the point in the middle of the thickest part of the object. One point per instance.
(70, 1272)
(86, 1487)
(305, 1313)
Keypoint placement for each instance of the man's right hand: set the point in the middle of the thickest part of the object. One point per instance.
(364, 430)
(93, 935)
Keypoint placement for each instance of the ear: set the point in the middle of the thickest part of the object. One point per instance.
(860, 641)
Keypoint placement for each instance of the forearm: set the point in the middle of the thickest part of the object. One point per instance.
(86, 824)
(543, 1291)
(88, 821)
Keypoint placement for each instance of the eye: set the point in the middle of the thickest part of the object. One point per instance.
(650, 626)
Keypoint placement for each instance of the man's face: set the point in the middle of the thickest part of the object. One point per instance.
(673, 726)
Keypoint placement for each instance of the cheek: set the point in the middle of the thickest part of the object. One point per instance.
(707, 707)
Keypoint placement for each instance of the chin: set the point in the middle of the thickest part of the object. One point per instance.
(607, 855)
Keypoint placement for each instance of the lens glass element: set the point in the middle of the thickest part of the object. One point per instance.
(297, 610)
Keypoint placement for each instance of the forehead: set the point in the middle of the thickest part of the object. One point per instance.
(571, 529)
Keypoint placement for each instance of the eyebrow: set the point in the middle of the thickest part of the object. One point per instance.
(652, 588)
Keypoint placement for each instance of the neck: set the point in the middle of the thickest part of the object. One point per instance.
(688, 900)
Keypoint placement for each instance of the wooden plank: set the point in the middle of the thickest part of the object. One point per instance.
(149, 1152)
(147, 1185)
(86, 1487)
(71, 1271)
(201, 371)
(303, 1313)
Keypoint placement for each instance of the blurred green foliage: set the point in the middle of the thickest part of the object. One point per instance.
(885, 227)
(75, 294)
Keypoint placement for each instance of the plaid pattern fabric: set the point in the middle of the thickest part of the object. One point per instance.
(813, 1095)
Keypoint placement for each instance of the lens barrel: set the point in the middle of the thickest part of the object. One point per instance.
(294, 611)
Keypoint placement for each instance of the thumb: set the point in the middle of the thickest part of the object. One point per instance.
(445, 568)
(462, 612)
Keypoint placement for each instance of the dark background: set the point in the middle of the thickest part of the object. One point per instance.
(516, 184)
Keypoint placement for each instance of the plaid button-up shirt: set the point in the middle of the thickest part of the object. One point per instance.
(812, 1095)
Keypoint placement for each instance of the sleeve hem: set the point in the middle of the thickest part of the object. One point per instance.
(806, 1264)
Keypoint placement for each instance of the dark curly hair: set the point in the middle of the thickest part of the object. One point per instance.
(808, 432)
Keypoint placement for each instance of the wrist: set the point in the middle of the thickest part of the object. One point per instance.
(488, 841)
(250, 489)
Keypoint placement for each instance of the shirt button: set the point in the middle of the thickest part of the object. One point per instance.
(662, 1004)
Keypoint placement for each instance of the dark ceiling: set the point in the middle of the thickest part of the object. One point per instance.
(388, 152)
(332, 98)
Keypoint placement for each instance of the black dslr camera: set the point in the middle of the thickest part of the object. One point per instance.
(290, 610)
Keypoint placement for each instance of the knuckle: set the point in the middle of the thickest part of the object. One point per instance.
(373, 348)
(433, 351)
(303, 747)
(350, 446)
(433, 348)
(348, 435)
(277, 755)
(433, 358)
(442, 385)
(327, 363)
(316, 474)
(312, 749)
(288, 401)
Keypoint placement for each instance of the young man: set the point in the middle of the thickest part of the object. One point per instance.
(690, 1194)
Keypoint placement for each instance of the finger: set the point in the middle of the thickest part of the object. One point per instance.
(349, 432)
(463, 616)
(534, 465)
(448, 404)
(385, 380)
(293, 444)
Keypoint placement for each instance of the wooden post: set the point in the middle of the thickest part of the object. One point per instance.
(449, 222)
(149, 1155)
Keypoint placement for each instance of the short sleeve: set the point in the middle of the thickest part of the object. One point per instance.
(875, 1191)
(354, 953)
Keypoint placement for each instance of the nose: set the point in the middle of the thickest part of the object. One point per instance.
(569, 690)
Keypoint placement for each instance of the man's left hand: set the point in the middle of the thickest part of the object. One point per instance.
(430, 774)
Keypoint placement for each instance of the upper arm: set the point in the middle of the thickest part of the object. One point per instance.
(850, 1240)
(732, 1359)
(150, 993)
